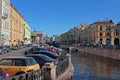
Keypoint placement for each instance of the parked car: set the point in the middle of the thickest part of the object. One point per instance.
(52, 49)
(50, 54)
(42, 59)
(3, 75)
(3, 49)
(34, 49)
(15, 65)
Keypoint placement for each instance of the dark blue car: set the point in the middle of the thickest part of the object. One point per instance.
(42, 59)
(3, 49)
(47, 53)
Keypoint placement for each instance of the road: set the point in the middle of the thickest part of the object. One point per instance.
(15, 52)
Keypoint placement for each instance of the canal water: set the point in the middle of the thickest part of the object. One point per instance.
(91, 67)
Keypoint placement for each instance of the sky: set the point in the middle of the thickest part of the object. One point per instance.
(58, 16)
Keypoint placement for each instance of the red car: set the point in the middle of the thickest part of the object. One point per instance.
(52, 50)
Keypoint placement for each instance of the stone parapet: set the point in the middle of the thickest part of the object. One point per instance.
(49, 71)
(110, 53)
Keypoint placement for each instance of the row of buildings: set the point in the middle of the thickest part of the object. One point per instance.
(104, 32)
(14, 30)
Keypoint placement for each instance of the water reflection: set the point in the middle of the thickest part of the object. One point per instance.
(90, 67)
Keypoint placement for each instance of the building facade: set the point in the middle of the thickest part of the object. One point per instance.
(115, 35)
(4, 22)
(37, 37)
(27, 34)
(101, 32)
(16, 27)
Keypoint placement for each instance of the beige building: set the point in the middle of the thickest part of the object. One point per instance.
(37, 37)
(101, 32)
(16, 26)
(115, 34)
(74, 35)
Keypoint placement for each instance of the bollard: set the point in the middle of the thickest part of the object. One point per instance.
(49, 71)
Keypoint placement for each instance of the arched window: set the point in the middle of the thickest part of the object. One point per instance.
(116, 32)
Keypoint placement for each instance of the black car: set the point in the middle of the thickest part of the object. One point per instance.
(42, 59)
(50, 54)
(34, 49)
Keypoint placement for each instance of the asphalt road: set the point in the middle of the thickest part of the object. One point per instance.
(15, 52)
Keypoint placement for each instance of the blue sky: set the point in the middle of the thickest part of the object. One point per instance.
(58, 16)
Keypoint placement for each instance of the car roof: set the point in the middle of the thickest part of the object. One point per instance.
(37, 55)
(15, 57)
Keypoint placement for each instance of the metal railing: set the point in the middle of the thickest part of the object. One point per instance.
(33, 75)
(62, 66)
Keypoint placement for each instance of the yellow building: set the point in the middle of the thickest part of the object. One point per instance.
(115, 34)
(101, 32)
(16, 27)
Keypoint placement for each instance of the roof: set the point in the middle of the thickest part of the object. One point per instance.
(102, 22)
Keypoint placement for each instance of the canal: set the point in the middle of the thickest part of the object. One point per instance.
(91, 67)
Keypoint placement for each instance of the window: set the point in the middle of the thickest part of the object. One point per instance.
(19, 63)
(108, 34)
(101, 39)
(100, 34)
(6, 62)
(116, 32)
(107, 27)
(101, 28)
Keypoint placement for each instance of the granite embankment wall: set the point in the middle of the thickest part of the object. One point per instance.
(110, 53)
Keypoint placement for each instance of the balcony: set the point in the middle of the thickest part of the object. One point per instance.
(4, 15)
